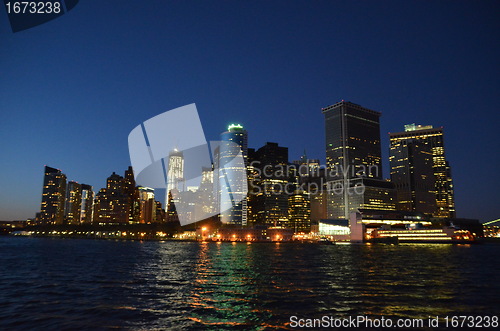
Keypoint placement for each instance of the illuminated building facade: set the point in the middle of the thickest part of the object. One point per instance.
(147, 205)
(160, 214)
(491, 228)
(309, 175)
(205, 195)
(354, 163)
(299, 212)
(352, 140)
(360, 193)
(132, 193)
(268, 200)
(230, 182)
(53, 197)
(73, 208)
(337, 230)
(87, 204)
(311, 178)
(420, 171)
(171, 210)
(175, 174)
(112, 203)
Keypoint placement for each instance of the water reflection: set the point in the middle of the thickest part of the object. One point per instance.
(224, 291)
(73, 284)
(262, 285)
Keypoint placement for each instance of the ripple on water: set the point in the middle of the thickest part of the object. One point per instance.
(93, 284)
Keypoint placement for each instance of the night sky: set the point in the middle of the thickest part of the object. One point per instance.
(72, 89)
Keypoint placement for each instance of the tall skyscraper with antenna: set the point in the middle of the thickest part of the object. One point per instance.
(175, 174)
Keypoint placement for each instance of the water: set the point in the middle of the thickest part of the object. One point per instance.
(99, 284)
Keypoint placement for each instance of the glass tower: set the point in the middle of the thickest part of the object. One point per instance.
(175, 175)
(87, 204)
(231, 183)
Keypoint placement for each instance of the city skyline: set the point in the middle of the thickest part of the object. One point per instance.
(249, 164)
(74, 111)
(420, 180)
(412, 131)
(347, 131)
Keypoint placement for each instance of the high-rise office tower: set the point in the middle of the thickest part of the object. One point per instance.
(310, 176)
(231, 183)
(160, 215)
(132, 192)
(268, 199)
(353, 140)
(175, 175)
(112, 203)
(72, 212)
(319, 203)
(87, 204)
(354, 163)
(205, 195)
(307, 168)
(147, 205)
(53, 196)
(171, 215)
(312, 179)
(299, 211)
(420, 171)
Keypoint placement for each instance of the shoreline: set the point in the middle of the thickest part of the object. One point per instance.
(296, 242)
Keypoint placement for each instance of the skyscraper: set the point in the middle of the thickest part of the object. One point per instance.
(420, 171)
(87, 204)
(352, 140)
(269, 197)
(175, 174)
(148, 205)
(354, 162)
(205, 195)
(132, 193)
(53, 196)
(160, 215)
(319, 204)
(112, 203)
(299, 211)
(72, 212)
(230, 182)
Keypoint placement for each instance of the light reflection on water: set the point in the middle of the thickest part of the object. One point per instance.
(54, 283)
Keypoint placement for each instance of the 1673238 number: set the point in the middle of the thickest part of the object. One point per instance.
(33, 7)
(471, 321)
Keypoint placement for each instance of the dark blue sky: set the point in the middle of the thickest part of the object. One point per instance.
(72, 89)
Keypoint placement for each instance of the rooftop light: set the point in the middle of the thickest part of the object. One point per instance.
(234, 126)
